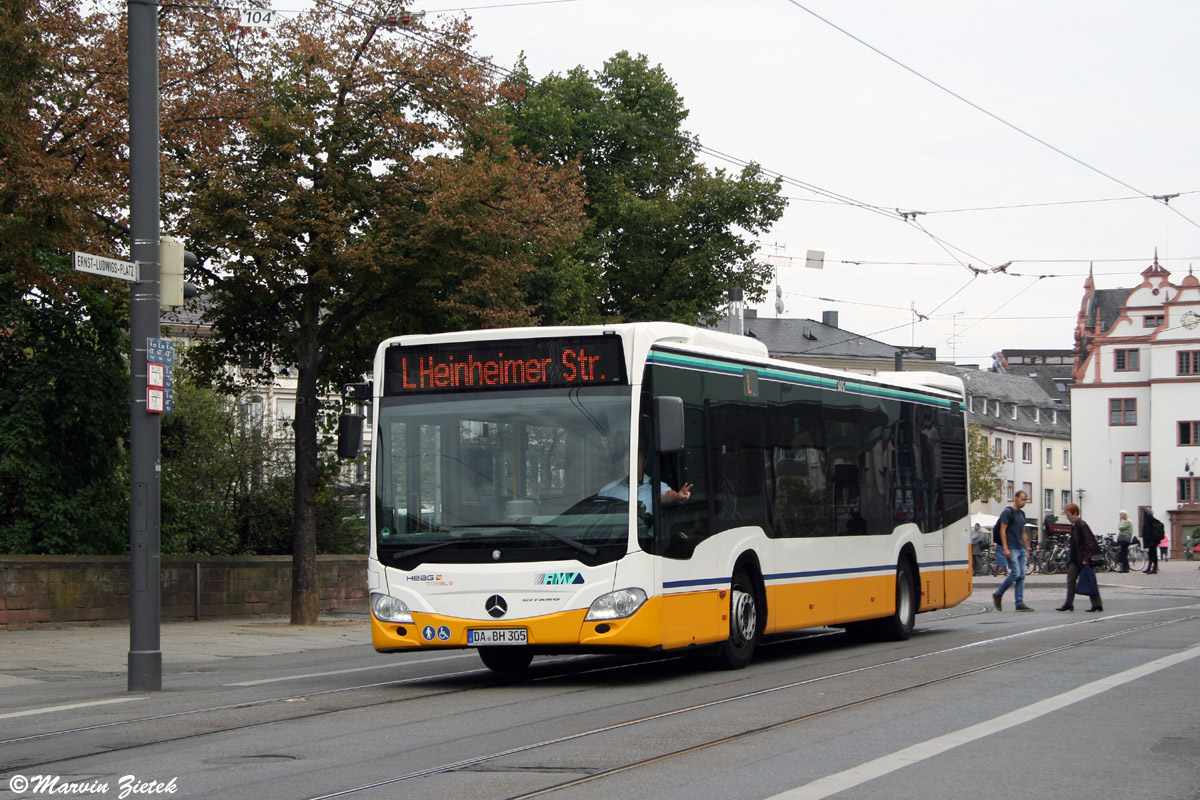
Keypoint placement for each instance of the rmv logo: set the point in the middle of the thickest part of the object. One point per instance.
(557, 578)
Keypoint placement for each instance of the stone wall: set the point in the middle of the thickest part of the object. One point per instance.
(66, 589)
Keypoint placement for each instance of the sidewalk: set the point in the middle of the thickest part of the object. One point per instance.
(32, 656)
(1175, 575)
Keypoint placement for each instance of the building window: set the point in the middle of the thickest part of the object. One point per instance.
(1008, 449)
(1009, 486)
(1049, 501)
(1189, 362)
(1066, 497)
(1122, 411)
(1135, 467)
(1027, 452)
(1027, 488)
(1125, 360)
(1189, 433)
(1152, 320)
(997, 448)
(1189, 490)
(1066, 458)
(1049, 458)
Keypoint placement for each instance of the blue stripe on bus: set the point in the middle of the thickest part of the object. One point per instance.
(776, 576)
(801, 379)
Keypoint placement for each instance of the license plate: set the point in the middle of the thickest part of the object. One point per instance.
(491, 636)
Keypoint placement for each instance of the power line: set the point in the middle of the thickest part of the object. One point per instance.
(1164, 199)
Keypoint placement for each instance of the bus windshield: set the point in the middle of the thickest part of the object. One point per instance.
(502, 476)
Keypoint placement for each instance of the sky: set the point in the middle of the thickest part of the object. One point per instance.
(854, 102)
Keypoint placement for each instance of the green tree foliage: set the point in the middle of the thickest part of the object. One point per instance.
(64, 394)
(64, 412)
(985, 466)
(668, 237)
(349, 207)
(226, 480)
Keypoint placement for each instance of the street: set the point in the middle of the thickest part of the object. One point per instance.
(977, 703)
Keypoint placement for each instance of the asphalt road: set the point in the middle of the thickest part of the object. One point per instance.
(977, 704)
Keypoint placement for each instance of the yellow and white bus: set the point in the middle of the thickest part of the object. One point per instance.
(788, 496)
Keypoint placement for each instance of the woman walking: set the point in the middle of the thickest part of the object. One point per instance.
(1083, 546)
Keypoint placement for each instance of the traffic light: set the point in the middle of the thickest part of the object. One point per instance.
(173, 260)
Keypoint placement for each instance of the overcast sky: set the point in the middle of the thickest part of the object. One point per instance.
(1109, 83)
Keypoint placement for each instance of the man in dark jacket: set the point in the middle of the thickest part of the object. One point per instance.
(1152, 534)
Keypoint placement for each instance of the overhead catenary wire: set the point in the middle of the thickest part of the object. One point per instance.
(1164, 199)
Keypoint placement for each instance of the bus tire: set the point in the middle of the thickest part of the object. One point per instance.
(745, 622)
(506, 658)
(899, 626)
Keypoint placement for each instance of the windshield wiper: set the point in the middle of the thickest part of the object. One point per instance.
(416, 551)
(537, 527)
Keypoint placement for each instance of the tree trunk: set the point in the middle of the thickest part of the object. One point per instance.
(305, 589)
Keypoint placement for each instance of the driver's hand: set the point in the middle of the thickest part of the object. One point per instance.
(685, 493)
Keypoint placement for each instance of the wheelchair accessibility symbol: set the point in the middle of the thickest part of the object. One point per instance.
(443, 633)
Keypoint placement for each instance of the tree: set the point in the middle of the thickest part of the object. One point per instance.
(370, 194)
(64, 389)
(985, 465)
(226, 479)
(667, 236)
(64, 382)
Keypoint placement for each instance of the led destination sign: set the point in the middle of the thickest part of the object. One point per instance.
(513, 364)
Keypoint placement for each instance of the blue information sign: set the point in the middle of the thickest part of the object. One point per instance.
(162, 351)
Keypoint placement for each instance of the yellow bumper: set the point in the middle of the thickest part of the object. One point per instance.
(563, 629)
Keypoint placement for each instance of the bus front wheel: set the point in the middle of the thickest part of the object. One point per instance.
(506, 658)
(744, 629)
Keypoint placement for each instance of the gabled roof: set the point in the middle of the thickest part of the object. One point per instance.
(1031, 399)
(1106, 307)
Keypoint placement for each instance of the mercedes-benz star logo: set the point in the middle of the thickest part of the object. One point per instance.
(495, 606)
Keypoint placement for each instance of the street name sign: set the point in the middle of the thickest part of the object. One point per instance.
(108, 267)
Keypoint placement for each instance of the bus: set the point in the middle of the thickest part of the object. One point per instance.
(784, 497)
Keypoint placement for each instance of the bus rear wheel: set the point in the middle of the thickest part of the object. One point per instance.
(899, 626)
(744, 628)
(506, 658)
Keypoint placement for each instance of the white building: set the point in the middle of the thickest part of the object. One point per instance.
(1136, 403)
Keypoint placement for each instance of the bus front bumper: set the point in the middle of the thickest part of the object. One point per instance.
(564, 629)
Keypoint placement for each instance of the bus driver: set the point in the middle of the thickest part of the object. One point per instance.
(619, 489)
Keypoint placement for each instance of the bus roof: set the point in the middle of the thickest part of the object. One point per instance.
(688, 337)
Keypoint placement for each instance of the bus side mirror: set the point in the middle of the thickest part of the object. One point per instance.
(350, 431)
(668, 425)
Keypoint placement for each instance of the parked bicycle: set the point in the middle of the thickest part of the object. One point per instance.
(986, 563)
(1053, 559)
(1112, 554)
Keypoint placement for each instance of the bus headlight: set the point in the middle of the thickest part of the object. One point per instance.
(390, 609)
(615, 605)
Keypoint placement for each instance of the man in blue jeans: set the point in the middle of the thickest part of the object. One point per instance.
(1014, 544)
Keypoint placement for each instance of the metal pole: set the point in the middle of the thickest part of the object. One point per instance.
(145, 657)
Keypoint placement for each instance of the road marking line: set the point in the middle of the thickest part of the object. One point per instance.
(855, 776)
(392, 665)
(50, 709)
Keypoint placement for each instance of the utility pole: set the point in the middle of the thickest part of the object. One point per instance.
(145, 655)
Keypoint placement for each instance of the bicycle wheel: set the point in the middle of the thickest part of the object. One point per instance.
(1137, 559)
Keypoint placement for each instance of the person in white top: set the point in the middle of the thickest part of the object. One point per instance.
(619, 489)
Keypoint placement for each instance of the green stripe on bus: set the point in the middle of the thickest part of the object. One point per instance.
(735, 368)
